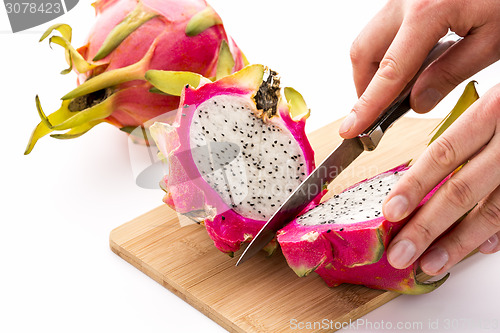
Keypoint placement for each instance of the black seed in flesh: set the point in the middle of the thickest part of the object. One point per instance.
(353, 205)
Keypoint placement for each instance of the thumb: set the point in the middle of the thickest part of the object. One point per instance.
(461, 61)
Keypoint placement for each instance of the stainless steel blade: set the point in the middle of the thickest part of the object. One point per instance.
(330, 168)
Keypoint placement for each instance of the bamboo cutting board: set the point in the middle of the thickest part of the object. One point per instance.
(263, 294)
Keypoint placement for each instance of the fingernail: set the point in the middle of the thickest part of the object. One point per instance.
(434, 261)
(428, 99)
(395, 209)
(348, 123)
(401, 253)
(490, 245)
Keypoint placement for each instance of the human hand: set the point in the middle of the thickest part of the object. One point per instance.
(475, 136)
(392, 47)
(399, 38)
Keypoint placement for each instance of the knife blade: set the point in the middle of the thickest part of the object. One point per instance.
(313, 185)
(339, 159)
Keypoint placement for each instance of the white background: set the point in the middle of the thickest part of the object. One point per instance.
(61, 202)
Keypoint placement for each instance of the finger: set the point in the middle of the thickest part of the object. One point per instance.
(370, 45)
(465, 138)
(467, 57)
(400, 63)
(451, 201)
(474, 231)
(491, 245)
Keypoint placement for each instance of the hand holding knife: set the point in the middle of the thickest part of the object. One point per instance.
(340, 159)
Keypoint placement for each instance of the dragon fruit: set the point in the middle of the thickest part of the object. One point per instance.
(235, 151)
(344, 238)
(128, 38)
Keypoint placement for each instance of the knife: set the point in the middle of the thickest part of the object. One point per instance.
(340, 158)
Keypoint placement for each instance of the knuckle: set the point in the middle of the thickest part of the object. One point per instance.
(366, 109)
(495, 98)
(490, 212)
(422, 8)
(493, 103)
(490, 47)
(459, 243)
(362, 105)
(355, 53)
(420, 5)
(450, 75)
(423, 231)
(415, 185)
(390, 69)
(442, 153)
(458, 193)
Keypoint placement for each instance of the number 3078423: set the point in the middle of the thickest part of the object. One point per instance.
(33, 7)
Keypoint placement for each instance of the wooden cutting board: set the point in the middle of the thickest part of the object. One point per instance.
(263, 294)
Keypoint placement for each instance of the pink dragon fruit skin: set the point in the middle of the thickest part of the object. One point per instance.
(188, 192)
(128, 38)
(174, 51)
(380, 275)
(351, 252)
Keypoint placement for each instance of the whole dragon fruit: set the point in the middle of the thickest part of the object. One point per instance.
(128, 38)
(344, 238)
(235, 151)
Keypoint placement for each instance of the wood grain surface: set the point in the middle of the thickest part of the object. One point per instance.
(263, 294)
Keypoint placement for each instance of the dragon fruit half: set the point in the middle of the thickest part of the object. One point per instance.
(128, 38)
(235, 152)
(344, 238)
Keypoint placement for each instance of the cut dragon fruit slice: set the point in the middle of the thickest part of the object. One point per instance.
(344, 239)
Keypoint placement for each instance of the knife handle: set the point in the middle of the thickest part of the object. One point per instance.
(371, 137)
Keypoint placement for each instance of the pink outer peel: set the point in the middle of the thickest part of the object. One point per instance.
(173, 51)
(380, 275)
